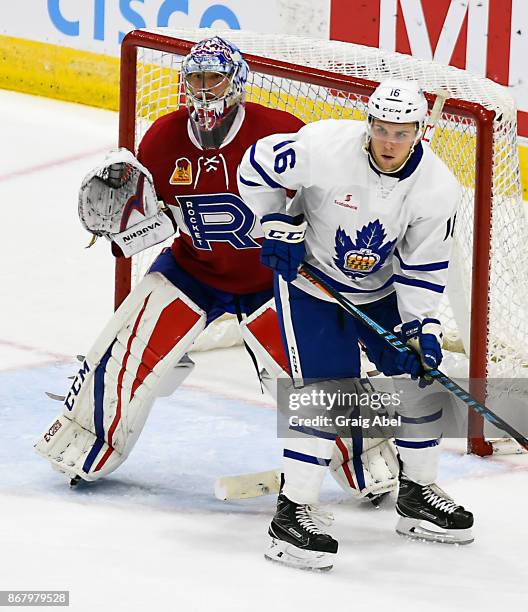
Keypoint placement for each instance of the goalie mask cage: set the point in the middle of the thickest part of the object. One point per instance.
(476, 136)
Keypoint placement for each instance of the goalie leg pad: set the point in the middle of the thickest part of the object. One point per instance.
(136, 358)
(261, 332)
(175, 376)
(374, 470)
(365, 461)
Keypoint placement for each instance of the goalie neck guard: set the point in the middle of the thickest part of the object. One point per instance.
(214, 75)
(396, 101)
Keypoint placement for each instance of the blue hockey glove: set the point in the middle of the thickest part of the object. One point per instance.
(426, 339)
(283, 248)
(392, 362)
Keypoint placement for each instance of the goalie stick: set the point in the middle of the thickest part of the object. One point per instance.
(396, 343)
(245, 486)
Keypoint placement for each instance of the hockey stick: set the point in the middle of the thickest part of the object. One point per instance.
(397, 344)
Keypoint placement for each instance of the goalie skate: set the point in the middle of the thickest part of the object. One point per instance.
(427, 513)
(296, 538)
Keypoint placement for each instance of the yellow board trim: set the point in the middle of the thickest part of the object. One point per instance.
(91, 78)
(57, 72)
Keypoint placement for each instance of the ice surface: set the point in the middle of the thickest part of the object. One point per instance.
(152, 536)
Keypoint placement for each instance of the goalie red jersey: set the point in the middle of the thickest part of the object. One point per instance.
(219, 240)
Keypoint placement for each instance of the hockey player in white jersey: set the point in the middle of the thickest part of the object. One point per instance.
(373, 215)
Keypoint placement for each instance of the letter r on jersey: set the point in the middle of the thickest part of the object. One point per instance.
(220, 217)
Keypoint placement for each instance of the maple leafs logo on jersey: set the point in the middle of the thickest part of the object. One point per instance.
(364, 256)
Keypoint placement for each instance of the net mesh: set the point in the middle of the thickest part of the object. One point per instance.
(159, 91)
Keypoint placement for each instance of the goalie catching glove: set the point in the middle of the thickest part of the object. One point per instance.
(117, 200)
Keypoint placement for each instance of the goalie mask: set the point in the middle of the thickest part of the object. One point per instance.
(400, 102)
(214, 77)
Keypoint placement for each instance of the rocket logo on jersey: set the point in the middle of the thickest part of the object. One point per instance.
(218, 217)
(182, 174)
(364, 256)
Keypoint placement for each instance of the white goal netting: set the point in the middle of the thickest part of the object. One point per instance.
(158, 91)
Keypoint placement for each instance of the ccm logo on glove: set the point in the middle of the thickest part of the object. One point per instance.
(293, 237)
(426, 339)
(283, 247)
(284, 228)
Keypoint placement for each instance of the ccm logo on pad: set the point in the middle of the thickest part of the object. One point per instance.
(76, 385)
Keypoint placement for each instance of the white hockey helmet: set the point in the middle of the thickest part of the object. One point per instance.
(398, 101)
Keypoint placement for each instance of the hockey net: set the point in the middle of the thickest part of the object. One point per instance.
(484, 310)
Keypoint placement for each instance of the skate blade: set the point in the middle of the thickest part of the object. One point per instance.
(54, 396)
(428, 532)
(292, 556)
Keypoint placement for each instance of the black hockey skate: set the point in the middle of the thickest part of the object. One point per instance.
(296, 538)
(428, 513)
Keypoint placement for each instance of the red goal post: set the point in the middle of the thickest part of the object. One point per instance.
(476, 137)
